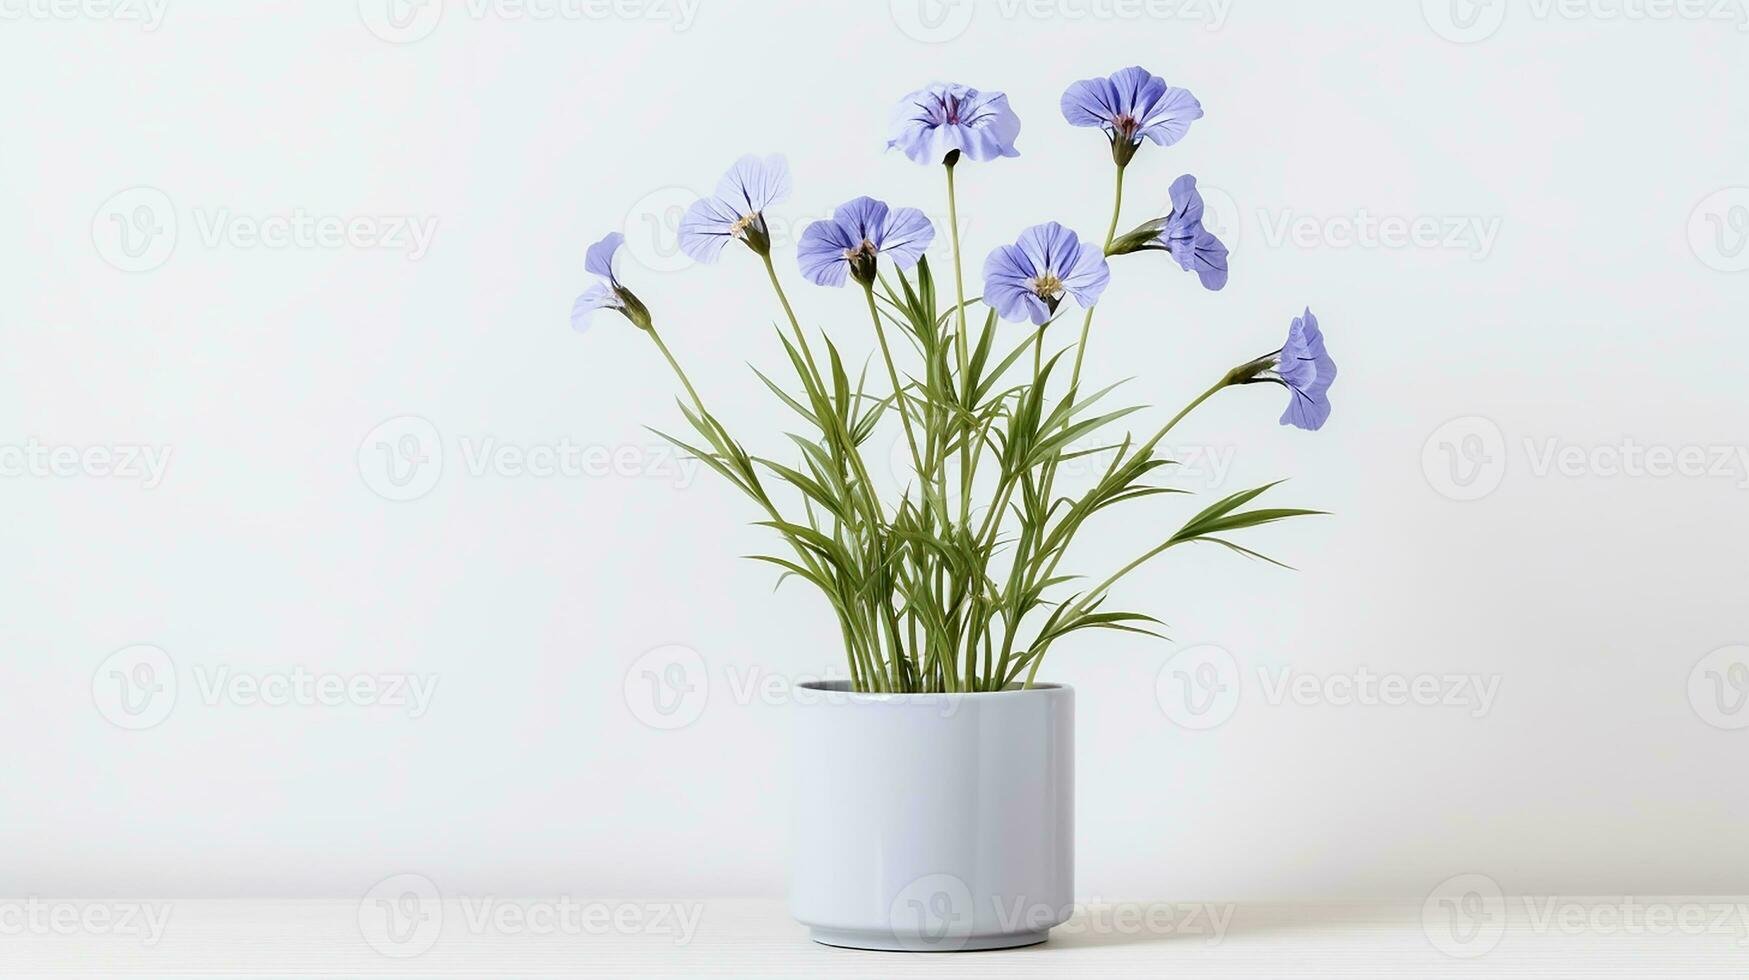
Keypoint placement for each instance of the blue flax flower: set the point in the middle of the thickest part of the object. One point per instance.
(848, 243)
(607, 293)
(946, 119)
(1305, 368)
(1129, 105)
(1181, 235)
(737, 209)
(1029, 278)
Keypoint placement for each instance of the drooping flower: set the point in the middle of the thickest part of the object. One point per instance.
(944, 118)
(607, 293)
(737, 209)
(1304, 367)
(1182, 235)
(1029, 278)
(848, 243)
(1129, 105)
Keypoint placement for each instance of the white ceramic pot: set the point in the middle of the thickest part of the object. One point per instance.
(933, 822)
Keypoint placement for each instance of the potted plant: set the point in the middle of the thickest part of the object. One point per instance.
(934, 792)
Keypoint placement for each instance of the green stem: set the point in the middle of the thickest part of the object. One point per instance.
(1087, 322)
(690, 390)
(898, 391)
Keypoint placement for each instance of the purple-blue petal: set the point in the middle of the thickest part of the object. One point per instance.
(596, 297)
(1006, 290)
(1088, 276)
(820, 253)
(863, 219)
(1209, 259)
(1169, 118)
(904, 236)
(706, 228)
(600, 258)
(755, 183)
(1187, 203)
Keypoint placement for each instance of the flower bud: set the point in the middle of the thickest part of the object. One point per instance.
(757, 236)
(633, 308)
(1146, 235)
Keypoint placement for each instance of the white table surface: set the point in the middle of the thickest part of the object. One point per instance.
(1538, 937)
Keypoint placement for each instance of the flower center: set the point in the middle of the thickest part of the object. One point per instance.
(739, 228)
(951, 106)
(866, 248)
(1126, 126)
(1047, 286)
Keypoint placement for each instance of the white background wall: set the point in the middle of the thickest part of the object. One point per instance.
(1594, 300)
